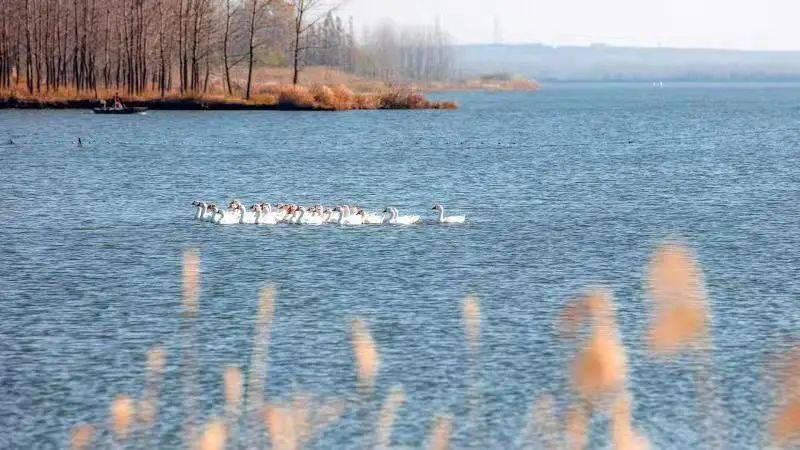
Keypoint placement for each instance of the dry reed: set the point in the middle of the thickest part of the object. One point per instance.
(366, 354)
(190, 301)
(784, 426)
(600, 367)
(81, 437)
(440, 433)
(471, 314)
(256, 379)
(191, 265)
(292, 426)
(598, 372)
(122, 413)
(232, 380)
(233, 385)
(676, 287)
(281, 427)
(623, 434)
(214, 436)
(148, 406)
(386, 418)
(319, 96)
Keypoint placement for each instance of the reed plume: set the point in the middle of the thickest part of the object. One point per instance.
(191, 265)
(386, 418)
(232, 382)
(366, 355)
(156, 361)
(191, 292)
(214, 436)
(122, 413)
(280, 425)
(681, 323)
(675, 285)
(292, 426)
(784, 426)
(440, 433)
(600, 367)
(470, 314)
(257, 375)
(623, 434)
(147, 409)
(81, 437)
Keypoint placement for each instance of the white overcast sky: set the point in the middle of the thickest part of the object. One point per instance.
(736, 24)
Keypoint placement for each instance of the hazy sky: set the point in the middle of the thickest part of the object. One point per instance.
(742, 24)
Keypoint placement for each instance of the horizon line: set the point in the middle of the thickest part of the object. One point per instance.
(647, 47)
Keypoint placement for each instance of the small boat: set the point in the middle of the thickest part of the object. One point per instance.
(123, 110)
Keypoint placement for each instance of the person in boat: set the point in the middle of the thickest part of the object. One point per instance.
(117, 103)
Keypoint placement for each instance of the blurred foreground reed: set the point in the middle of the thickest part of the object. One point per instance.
(597, 380)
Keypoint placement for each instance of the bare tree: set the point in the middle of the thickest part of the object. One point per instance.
(225, 40)
(306, 14)
(142, 46)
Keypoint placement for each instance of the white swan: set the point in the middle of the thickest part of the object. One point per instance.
(208, 215)
(395, 219)
(334, 215)
(221, 217)
(448, 219)
(280, 212)
(373, 219)
(246, 217)
(203, 211)
(267, 216)
(308, 217)
(345, 218)
(198, 214)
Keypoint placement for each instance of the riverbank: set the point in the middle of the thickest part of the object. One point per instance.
(270, 97)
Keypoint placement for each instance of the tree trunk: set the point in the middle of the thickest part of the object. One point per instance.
(225, 46)
(250, 49)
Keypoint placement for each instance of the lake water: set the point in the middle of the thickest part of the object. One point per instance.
(570, 187)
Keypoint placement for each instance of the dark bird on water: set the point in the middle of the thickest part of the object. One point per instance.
(80, 144)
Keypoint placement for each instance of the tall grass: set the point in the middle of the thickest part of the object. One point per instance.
(597, 379)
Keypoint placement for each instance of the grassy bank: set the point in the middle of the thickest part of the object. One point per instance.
(269, 97)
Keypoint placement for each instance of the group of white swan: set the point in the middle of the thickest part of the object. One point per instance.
(267, 214)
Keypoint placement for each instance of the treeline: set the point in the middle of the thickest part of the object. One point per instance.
(188, 46)
(419, 53)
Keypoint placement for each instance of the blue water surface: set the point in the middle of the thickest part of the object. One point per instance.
(566, 188)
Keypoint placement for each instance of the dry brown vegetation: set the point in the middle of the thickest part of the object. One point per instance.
(327, 89)
(597, 375)
(269, 96)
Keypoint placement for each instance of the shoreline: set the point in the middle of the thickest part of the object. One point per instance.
(182, 104)
(279, 98)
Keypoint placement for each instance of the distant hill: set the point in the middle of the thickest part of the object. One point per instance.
(607, 63)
